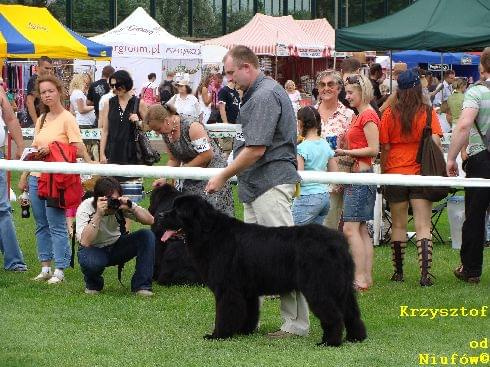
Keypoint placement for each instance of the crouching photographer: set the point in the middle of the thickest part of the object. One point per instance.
(100, 228)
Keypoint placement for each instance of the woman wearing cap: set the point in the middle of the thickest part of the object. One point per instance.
(184, 102)
(188, 145)
(363, 144)
(401, 129)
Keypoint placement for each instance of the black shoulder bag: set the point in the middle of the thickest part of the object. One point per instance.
(145, 153)
(432, 162)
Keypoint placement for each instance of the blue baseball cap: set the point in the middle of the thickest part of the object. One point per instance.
(408, 79)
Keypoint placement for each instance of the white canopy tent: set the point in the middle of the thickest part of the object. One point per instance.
(141, 46)
(213, 54)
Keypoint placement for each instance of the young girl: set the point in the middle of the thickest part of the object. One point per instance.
(314, 154)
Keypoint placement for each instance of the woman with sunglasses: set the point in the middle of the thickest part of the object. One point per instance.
(336, 119)
(401, 129)
(363, 147)
(119, 120)
(188, 145)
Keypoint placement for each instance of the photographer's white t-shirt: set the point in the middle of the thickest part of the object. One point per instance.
(109, 231)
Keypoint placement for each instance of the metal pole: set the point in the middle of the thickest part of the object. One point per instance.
(190, 15)
(255, 7)
(285, 7)
(113, 13)
(391, 71)
(313, 9)
(153, 8)
(69, 14)
(336, 14)
(346, 13)
(363, 11)
(224, 15)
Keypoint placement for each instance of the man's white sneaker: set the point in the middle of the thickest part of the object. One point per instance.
(42, 276)
(58, 277)
(91, 291)
(144, 293)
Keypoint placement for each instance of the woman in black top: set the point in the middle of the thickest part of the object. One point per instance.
(119, 120)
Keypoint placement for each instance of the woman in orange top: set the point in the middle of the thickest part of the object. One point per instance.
(401, 129)
(55, 124)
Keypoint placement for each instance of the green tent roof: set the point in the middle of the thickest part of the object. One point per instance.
(436, 25)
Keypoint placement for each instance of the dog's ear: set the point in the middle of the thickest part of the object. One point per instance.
(194, 211)
(161, 198)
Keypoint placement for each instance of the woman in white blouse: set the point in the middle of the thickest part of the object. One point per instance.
(184, 102)
(84, 114)
(293, 94)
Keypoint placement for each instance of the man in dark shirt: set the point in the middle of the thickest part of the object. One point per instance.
(375, 74)
(229, 106)
(166, 90)
(230, 103)
(98, 89)
(33, 102)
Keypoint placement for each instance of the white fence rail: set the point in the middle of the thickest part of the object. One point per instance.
(206, 173)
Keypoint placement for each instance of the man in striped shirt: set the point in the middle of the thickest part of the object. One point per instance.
(473, 126)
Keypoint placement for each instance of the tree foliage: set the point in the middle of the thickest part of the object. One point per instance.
(93, 16)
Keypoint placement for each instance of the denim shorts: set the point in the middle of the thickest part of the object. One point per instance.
(311, 208)
(359, 203)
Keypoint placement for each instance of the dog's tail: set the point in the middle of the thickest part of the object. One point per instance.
(356, 331)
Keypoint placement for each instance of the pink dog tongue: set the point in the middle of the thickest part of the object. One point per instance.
(167, 235)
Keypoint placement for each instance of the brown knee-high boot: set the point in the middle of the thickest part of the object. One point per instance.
(424, 250)
(397, 255)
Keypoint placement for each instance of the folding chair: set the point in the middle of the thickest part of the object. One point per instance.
(434, 219)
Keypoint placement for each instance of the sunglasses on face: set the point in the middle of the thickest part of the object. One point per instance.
(322, 85)
(115, 85)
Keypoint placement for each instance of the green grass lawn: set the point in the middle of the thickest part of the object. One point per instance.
(58, 325)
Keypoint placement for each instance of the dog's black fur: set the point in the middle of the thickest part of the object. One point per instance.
(240, 262)
(173, 265)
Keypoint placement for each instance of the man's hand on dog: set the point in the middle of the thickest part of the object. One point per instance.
(215, 184)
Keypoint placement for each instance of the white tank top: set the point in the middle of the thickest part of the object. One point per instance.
(2, 128)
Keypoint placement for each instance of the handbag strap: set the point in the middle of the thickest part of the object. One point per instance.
(428, 119)
(136, 106)
(427, 132)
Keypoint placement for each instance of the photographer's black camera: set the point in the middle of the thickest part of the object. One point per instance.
(113, 203)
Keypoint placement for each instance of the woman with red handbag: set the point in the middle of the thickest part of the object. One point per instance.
(55, 124)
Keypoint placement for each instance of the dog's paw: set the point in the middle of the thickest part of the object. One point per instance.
(210, 337)
(329, 344)
(355, 338)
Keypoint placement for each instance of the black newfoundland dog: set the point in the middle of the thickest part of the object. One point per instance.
(240, 262)
(173, 265)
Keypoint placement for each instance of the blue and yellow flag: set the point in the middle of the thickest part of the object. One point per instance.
(30, 32)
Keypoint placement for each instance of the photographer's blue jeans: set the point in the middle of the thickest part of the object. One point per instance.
(140, 244)
(51, 231)
(9, 245)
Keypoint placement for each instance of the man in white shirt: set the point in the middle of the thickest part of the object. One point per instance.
(445, 89)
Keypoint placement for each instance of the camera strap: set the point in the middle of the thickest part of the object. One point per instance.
(122, 228)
